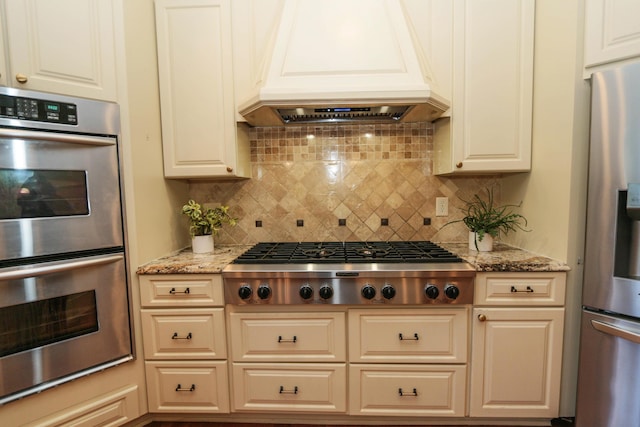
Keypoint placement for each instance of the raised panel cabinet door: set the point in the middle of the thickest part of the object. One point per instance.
(63, 46)
(516, 362)
(492, 89)
(195, 71)
(612, 32)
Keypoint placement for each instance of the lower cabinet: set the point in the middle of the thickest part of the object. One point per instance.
(517, 335)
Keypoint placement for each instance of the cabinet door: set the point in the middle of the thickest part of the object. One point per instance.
(195, 69)
(65, 47)
(612, 33)
(492, 94)
(516, 362)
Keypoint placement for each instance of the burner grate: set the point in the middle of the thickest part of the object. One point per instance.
(346, 252)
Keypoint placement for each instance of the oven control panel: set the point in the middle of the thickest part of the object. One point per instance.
(39, 110)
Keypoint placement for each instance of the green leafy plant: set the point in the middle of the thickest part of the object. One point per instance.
(484, 217)
(206, 221)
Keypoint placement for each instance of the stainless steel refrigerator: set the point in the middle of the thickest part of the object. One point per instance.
(608, 392)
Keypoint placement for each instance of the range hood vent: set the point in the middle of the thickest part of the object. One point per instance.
(341, 114)
(337, 61)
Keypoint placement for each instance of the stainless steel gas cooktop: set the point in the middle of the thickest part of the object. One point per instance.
(418, 272)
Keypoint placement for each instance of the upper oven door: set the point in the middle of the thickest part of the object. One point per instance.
(59, 193)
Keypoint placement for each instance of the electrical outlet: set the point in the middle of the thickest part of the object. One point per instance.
(442, 206)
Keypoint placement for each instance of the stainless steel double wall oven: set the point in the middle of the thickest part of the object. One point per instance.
(64, 300)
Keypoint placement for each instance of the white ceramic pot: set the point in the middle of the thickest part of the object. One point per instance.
(484, 245)
(202, 244)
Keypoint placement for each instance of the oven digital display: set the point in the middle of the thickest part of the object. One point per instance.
(38, 193)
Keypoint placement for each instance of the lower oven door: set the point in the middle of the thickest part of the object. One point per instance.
(60, 320)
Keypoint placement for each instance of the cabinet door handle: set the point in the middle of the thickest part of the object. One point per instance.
(192, 388)
(409, 393)
(229, 169)
(482, 317)
(459, 165)
(173, 291)
(283, 391)
(21, 78)
(414, 338)
(515, 290)
(293, 340)
(176, 337)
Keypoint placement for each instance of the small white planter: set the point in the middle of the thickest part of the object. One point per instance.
(484, 245)
(202, 244)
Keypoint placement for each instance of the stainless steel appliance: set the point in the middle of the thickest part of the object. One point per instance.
(64, 301)
(608, 385)
(380, 273)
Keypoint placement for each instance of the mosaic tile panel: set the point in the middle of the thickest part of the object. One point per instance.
(339, 183)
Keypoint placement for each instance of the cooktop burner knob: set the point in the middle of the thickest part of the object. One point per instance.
(325, 291)
(451, 291)
(245, 292)
(306, 292)
(388, 291)
(264, 291)
(432, 291)
(368, 291)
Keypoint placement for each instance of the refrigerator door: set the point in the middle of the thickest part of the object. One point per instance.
(608, 385)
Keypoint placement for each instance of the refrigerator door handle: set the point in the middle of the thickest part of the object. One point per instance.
(616, 331)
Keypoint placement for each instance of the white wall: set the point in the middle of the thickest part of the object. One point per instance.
(554, 193)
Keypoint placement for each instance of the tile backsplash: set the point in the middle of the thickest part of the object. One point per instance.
(341, 183)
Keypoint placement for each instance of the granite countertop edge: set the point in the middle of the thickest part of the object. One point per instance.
(503, 258)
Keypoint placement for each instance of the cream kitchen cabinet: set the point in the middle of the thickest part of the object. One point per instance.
(612, 34)
(199, 132)
(517, 330)
(184, 341)
(60, 47)
(288, 361)
(408, 362)
(489, 128)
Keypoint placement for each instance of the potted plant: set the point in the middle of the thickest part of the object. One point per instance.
(485, 221)
(205, 223)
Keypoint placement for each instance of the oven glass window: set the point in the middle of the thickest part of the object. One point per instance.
(35, 324)
(38, 193)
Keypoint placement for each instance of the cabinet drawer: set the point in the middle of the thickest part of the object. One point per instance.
(289, 387)
(291, 337)
(429, 335)
(545, 288)
(188, 387)
(407, 390)
(197, 333)
(167, 290)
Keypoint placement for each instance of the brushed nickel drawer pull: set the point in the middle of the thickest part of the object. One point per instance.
(415, 337)
(528, 290)
(176, 337)
(293, 340)
(173, 291)
(192, 388)
(402, 393)
(283, 391)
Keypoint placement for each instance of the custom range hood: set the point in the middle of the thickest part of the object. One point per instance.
(336, 61)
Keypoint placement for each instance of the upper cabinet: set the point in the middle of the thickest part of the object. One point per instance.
(612, 34)
(199, 132)
(489, 129)
(64, 47)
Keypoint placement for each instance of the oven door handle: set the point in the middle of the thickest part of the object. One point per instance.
(56, 267)
(57, 137)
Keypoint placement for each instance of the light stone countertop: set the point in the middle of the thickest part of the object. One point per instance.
(502, 258)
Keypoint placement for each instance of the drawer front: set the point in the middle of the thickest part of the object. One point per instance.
(520, 289)
(407, 390)
(197, 333)
(289, 387)
(429, 335)
(171, 290)
(188, 387)
(291, 337)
